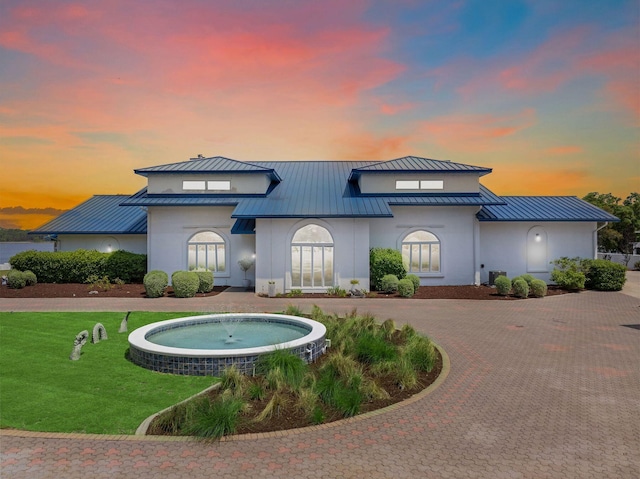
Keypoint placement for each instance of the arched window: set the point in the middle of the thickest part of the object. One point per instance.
(421, 252)
(206, 251)
(312, 257)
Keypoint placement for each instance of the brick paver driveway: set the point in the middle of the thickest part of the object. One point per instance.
(538, 388)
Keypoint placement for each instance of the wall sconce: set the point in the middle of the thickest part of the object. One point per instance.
(538, 238)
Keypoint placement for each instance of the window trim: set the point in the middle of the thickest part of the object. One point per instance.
(421, 273)
(323, 246)
(225, 242)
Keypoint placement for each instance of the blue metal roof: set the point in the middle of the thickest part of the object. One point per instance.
(314, 189)
(101, 214)
(244, 227)
(544, 208)
(416, 164)
(215, 164)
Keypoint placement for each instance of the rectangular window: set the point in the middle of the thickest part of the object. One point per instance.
(407, 184)
(219, 185)
(431, 185)
(193, 185)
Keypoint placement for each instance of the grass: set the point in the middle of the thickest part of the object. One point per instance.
(103, 393)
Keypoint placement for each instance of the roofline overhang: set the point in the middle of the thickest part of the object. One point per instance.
(273, 175)
(357, 173)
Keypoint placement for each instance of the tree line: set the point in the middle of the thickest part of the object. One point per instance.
(618, 237)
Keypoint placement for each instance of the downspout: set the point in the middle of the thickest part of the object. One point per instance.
(595, 240)
(476, 248)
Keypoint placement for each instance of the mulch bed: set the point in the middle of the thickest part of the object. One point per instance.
(46, 290)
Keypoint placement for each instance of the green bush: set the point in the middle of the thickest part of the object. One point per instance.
(636, 266)
(503, 285)
(212, 420)
(384, 261)
(371, 349)
(389, 283)
(604, 275)
(155, 282)
(528, 278)
(16, 279)
(405, 288)
(415, 280)
(568, 273)
(30, 278)
(61, 266)
(185, 284)
(520, 288)
(129, 267)
(206, 281)
(421, 353)
(538, 288)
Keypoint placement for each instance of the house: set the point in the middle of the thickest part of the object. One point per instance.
(310, 224)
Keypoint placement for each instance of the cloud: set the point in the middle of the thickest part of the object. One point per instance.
(21, 210)
(473, 133)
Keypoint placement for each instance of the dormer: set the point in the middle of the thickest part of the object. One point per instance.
(209, 176)
(417, 176)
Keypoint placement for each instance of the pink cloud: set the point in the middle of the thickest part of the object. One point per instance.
(475, 132)
(393, 109)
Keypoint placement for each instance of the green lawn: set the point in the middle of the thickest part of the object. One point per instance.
(42, 390)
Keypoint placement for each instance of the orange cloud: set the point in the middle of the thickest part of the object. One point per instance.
(473, 133)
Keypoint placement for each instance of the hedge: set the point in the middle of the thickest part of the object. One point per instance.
(77, 266)
(604, 275)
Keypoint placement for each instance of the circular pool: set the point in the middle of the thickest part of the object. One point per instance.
(206, 345)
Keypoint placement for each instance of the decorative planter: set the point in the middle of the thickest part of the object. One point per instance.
(246, 283)
(272, 290)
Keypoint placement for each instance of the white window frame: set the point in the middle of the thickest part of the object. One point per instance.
(216, 246)
(321, 256)
(431, 184)
(219, 185)
(407, 184)
(193, 185)
(408, 261)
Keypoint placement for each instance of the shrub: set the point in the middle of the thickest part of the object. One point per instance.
(568, 273)
(16, 279)
(337, 291)
(604, 275)
(636, 265)
(384, 261)
(155, 282)
(389, 283)
(61, 266)
(371, 349)
(30, 278)
(96, 282)
(528, 278)
(212, 420)
(292, 366)
(538, 288)
(185, 284)
(129, 267)
(205, 279)
(415, 280)
(421, 353)
(405, 288)
(520, 288)
(503, 285)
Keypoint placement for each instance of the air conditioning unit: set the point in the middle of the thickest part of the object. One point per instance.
(493, 275)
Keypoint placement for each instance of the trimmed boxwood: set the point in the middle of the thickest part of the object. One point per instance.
(129, 267)
(503, 285)
(405, 288)
(520, 288)
(415, 280)
(206, 281)
(30, 278)
(185, 284)
(16, 279)
(155, 282)
(538, 288)
(384, 261)
(389, 283)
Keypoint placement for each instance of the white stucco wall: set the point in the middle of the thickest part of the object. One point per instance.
(273, 253)
(240, 183)
(454, 227)
(505, 246)
(103, 243)
(452, 182)
(169, 230)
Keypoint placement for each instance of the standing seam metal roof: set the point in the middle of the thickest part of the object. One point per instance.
(216, 164)
(544, 208)
(101, 214)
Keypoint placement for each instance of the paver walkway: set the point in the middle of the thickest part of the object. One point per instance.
(540, 388)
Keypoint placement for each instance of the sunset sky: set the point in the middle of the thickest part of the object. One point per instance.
(547, 93)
